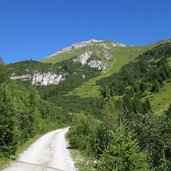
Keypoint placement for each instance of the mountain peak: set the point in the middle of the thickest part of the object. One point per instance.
(92, 41)
(80, 45)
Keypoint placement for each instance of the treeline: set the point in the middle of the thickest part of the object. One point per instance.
(23, 114)
(129, 136)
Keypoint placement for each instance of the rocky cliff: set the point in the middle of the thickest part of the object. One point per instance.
(38, 78)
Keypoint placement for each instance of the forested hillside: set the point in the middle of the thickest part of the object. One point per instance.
(137, 80)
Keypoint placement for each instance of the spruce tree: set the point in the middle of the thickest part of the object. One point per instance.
(123, 153)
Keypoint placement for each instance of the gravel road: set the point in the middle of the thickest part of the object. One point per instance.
(48, 153)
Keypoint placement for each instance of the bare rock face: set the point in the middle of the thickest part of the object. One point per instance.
(100, 65)
(83, 44)
(41, 78)
(83, 58)
(47, 78)
(107, 55)
(105, 45)
(118, 44)
(21, 77)
(76, 46)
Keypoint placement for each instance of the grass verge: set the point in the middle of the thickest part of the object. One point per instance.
(82, 162)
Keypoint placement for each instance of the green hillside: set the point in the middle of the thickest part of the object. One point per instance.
(120, 57)
(148, 77)
(95, 47)
(160, 101)
(81, 88)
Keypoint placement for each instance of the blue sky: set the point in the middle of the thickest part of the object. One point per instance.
(37, 28)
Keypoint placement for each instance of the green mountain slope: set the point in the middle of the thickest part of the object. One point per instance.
(81, 80)
(146, 78)
(160, 101)
(119, 56)
(97, 47)
(115, 98)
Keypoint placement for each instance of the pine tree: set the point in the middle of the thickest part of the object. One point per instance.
(123, 154)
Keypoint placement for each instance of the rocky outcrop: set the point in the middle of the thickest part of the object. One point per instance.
(41, 78)
(76, 46)
(104, 44)
(47, 78)
(107, 55)
(118, 44)
(100, 65)
(85, 43)
(83, 58)
(21, 77)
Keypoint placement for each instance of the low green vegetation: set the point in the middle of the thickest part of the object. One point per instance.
(82, 162)
(61, 57)
(160, 101)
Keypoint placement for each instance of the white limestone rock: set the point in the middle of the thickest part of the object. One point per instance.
(83, 58)
(105, 46)
(46, 78)
(118, 44)
(21, 77)
(75, 46)
(41, 78)
(107, 55)
(100, 65)
(85, 43)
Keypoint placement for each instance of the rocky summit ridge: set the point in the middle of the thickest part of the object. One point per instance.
(84, 44)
